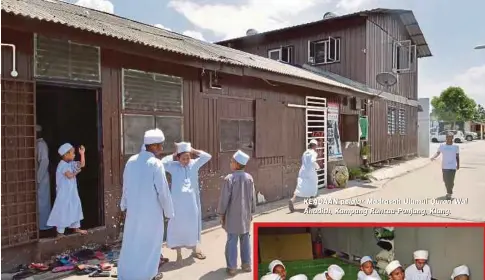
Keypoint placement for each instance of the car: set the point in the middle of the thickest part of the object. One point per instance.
(459, 137)
(469, 136)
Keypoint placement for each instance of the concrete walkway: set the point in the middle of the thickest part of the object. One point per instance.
(424, 182)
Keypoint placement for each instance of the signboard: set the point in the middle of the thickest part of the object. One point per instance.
(334, 145)
(320, 150)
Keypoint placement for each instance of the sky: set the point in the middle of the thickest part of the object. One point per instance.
(451, 28)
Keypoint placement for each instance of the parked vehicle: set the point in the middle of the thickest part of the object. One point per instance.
(459, 136)
(469, 136)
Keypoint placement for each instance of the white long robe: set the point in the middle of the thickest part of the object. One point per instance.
(146, 198)
(43, 184)
(184, 230)
(307, 185)
(412, 273)
(67, 208)
(361, 275)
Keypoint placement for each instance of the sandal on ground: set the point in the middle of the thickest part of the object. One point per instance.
(39, 266)
(199, 256)
(106, 266)
(84, 269)
(63, 268)
(100, 274)
(23, 274)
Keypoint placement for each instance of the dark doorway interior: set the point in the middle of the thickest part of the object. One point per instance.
(71, 115)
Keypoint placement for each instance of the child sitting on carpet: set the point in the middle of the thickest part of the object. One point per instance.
(367, 269)
(299, 277)
(271, 276)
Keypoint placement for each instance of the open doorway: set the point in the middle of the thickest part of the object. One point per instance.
(72, 115)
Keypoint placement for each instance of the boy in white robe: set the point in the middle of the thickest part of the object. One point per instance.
(272, 276)
(395, 271)
(460, 273)
(299, 277)
(67, 211)
(307, 184)
(367, 269)
(237, 203)
(420, 270)
(146, 201)
(277, 267)
(334, 272)
(184, 230)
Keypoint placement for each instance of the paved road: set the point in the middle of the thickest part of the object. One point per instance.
(424, 183)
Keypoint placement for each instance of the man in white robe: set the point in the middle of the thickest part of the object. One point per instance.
(146, 198)
(420, 270)
(43, 180)
(307, 184)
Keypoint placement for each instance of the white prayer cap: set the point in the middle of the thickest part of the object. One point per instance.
(421, 255)
(272, 276)
(320, 276)
(314, 142)
(392, 266)
(38, 128)
(299, 277)
(241, 157)
(64, 148)
(460, 270)
(335, 272)
(274, 263)
(183, 147)
(365, 259)
(153, 136)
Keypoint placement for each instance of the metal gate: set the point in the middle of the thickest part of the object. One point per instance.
(316, 128)
(19, 190)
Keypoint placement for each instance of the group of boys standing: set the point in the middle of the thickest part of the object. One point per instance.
(419, 270)
(148, 201)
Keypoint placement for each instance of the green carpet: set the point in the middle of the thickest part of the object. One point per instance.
(313, 267)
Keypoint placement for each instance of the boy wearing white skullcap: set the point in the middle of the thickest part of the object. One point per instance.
(460, 273)
(420, 270)
(334, 272)
(395, 271)
(276, 266)
(237, 203)
(67, 210)
(367, 269)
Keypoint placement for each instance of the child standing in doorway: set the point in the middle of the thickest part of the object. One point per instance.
(236, 207)
(67, 211)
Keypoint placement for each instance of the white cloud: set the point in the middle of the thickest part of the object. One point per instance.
(194, 34)
(349, 6)
(100, 5)
(472, 81)
(231, 21)
(163, 27)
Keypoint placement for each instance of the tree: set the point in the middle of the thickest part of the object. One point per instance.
(453, 105)
(479, 114)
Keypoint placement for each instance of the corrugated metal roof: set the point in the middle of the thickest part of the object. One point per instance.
(128, 30)
(406, 16)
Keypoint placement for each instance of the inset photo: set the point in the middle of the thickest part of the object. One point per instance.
(368, 251)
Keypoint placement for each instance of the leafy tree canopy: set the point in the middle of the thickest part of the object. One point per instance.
(479, 114)
(454, 105)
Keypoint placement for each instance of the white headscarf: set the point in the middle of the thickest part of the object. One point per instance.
(273, 264)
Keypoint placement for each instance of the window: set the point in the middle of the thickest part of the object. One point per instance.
(67, 60)
(236, 134)
(401, 121)
(404, 56)
(283, 54)
(391, 120)
(324, 51)
(150, 101)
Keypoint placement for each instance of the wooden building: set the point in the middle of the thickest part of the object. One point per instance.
(96, 79)
(358, 47)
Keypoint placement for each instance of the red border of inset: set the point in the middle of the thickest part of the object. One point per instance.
(257, 225)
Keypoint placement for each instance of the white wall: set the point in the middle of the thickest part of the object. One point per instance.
(423, 128)
(448, 247)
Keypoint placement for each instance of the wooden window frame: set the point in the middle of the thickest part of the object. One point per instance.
(239, 146)
(36, 75)
(402, 121)
(327, 45)
(146, 113)
(391, 124)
